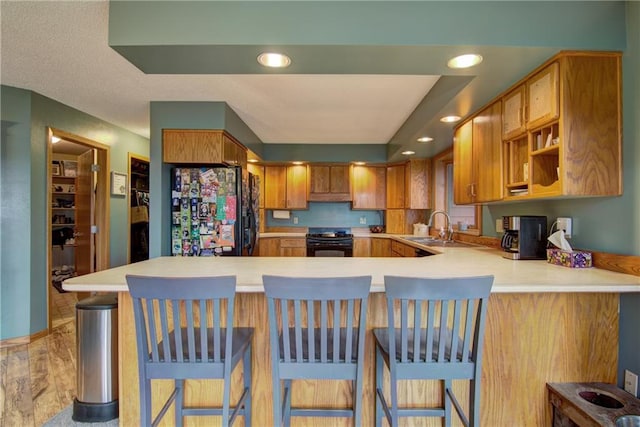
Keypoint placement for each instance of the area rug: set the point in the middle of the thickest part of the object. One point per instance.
(63, 419)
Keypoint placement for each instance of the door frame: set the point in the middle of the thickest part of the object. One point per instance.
(131, 156)
(103, 155)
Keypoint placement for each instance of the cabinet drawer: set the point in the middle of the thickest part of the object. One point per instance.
(293, 243)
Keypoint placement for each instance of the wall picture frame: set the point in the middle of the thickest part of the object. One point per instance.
(118, 184)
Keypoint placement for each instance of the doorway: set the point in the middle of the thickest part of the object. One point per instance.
(138, 208)
(77, 217)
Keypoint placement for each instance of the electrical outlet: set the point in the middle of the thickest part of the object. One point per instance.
(565, 224)
(499, 228)
(295, 219)
(631, 382)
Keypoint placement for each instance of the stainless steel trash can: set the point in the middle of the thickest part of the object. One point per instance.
(97, 359)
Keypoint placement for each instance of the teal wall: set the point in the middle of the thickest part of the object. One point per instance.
(324, 214)
(15, 213)
(25, 118)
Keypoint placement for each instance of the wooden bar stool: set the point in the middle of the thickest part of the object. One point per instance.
(317, 329)
(206, 345)
(439, 337)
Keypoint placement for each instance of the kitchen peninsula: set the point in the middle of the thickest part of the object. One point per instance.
(545, 323)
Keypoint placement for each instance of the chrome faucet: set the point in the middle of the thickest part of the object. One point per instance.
(449, 233)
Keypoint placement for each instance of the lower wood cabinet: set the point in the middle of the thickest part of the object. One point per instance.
(283, 246)
(401, 250)
(380, 247)
(361, 247)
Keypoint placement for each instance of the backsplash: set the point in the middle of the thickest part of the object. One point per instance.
(327, 214)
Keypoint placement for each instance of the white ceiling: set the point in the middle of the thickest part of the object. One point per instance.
(60, 50)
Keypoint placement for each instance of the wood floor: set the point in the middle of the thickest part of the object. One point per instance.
(38, 380)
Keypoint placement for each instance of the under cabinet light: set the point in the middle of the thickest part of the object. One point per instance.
(55, 139)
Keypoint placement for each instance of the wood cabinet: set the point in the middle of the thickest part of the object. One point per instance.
(402, 250)
(477, 157)
(380, 247)
(513, 120)
(286, 187)
(202, 146)
(293, 246)
(417, 189)
(368, 185)
(269, 246)
(361, 247)
(395, 187)
(572, 143)
(329, 183)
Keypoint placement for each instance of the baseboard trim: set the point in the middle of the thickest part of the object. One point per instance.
(12, 342)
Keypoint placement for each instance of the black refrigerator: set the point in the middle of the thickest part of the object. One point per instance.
(214, 211)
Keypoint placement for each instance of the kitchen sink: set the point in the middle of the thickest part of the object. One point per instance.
(429, 241)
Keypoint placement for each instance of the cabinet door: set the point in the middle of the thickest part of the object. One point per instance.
(233, 153)
(417, 178)
(380, 247)
(293, 247)
(542, 96)
(191, 146)
(463, 164)
(269, 246)
(297, 187)
(361, 247)
(319, 179)
(369, 189)
(395, 187)
(513, 121)
(487, 154)
(339, 179)
(395, 221)
(275, 187)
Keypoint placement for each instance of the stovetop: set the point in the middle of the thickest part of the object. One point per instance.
(329, 232)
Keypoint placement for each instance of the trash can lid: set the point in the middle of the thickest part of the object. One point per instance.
(98, 302)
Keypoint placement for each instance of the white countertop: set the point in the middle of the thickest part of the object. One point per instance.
(510, 276)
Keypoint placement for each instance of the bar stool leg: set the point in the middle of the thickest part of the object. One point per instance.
(179, 402)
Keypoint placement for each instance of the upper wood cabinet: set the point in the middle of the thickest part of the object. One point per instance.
(572, 146)
(463, 164)
(368, 185)
(395, 186)
(513, 119)
(417, 193)
(329, 183)
(286, 187)
(542, 96)
(201, 146)
(477, 158)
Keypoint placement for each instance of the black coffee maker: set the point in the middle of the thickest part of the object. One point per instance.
(525, 237)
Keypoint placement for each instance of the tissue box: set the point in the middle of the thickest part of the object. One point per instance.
(575, 259)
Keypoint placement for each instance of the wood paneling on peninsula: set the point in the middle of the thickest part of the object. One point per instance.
(530, 339)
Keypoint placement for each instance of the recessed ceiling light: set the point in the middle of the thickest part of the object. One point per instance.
(274, 60)
(450, 119)
(408, 153)
(465, 61)
(425, 139)
(55, 139)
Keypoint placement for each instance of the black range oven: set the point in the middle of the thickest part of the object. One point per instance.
(329, 242)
